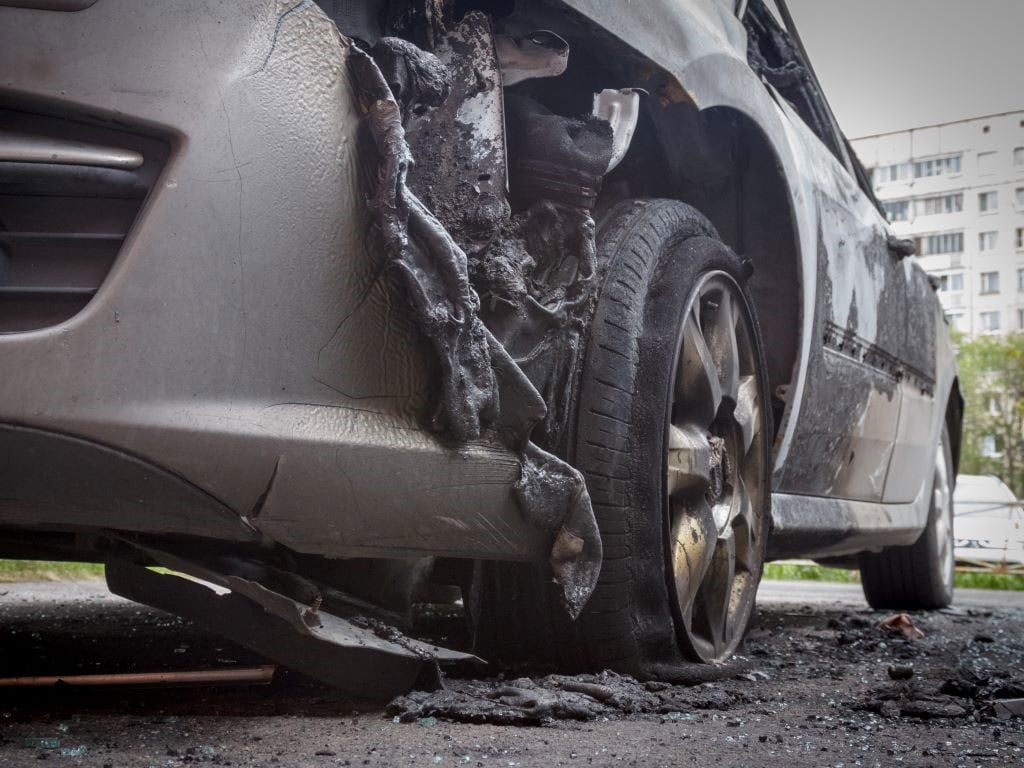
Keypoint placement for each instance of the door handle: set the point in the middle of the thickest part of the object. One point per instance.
(900, 247)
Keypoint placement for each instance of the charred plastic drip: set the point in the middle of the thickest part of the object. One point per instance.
(484, 392)
(533, 268)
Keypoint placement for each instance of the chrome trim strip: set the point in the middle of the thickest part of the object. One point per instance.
(49, 5)
(24, 148)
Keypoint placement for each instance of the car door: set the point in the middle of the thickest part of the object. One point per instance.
(847, 425)
(913, 457)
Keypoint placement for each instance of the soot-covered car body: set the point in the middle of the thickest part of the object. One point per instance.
(304, 300)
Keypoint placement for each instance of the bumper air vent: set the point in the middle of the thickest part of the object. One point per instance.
(69, 194)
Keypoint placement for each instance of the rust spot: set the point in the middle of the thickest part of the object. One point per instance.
(671, 92)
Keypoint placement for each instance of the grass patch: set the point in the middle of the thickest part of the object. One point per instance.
(1009, 581)
(47, 570)
(53, 570)
(810, 572)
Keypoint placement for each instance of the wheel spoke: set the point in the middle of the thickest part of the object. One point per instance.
(693, 549)
(716, 594)
(748, 412)
(689, 461)
(744, 531)
(698, 388)
(724, 347)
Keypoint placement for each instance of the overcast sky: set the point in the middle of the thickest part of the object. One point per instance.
(886, 65)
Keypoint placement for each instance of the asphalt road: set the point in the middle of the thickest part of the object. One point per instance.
(813, 687)
(771, 592)
(826, 592)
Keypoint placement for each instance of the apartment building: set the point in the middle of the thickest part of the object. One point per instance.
(957, 189)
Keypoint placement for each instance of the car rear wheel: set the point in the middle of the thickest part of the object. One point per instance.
(919, 576)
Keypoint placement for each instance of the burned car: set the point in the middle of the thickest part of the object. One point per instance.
(568, 313)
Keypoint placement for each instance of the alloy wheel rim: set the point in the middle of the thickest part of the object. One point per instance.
(942, 497)
(715, 470)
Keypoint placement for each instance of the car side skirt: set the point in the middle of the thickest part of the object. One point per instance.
(813, 527)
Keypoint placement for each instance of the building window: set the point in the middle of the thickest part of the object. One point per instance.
(951, 283)
(947, 242)
(1020, 237)
(986, 163)
(1020, 279)
(1020, 319)
(987, 241)
(885, 174)
(928, 206)
(990, 321)
(992, 446)
(956, 320)
(1018, 156)
(1018, 197)
(988, 202)
(937, 166)
(896, 210)
(989, 282)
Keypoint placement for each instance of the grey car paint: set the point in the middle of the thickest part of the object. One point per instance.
(277, 369)
(275, 363)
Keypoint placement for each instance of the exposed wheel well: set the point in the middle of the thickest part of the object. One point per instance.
(745, 194)
(717, 160)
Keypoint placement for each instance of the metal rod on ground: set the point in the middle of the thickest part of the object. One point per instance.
(262, 675)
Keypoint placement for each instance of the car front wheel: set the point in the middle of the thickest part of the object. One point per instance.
(672, 437)
(672, 434)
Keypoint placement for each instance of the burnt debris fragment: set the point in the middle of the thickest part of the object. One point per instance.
(528, 701)
(540, 53)
(414, 76)
(360, 655)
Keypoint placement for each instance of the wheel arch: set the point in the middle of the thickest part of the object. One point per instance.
(753, 211)
(711, 135)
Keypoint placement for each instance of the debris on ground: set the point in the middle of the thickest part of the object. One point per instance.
(528, 701)
(902, 622)
(40, 742)
(259, 675)
(1004, 710)
(813, 688)
(901, 671)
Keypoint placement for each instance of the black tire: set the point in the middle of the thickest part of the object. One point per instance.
(655, 252)
(918, 576)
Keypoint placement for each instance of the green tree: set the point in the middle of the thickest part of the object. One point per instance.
(992, 382)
